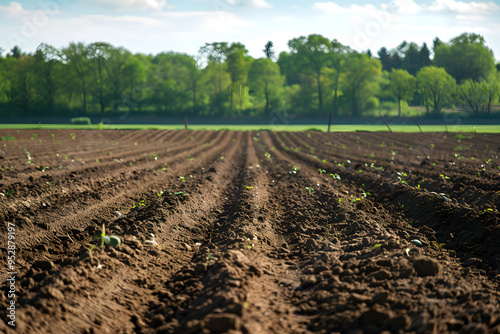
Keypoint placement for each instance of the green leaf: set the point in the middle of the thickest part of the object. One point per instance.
(113, 240)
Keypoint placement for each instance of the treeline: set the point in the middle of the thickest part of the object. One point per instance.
(315, 77)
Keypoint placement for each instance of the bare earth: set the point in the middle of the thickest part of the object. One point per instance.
(254, 232)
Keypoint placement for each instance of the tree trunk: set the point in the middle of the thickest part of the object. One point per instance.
(335, 95)
(399, 107)
(84, 96)
(194, 97)
(320, 95)
(268, 103)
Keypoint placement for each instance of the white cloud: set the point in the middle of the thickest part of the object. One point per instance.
(259, 4)
(132, 4)
(329, 7)
(13, 10)
(463, 7)
(406, 6)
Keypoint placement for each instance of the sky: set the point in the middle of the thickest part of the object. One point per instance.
(154, 26)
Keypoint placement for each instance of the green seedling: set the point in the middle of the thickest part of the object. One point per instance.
(488, 210)
(190, 158)
(311, 190)
(416, 242)
(321, 171)
(9, 192)
(73, 136)
(250, 187)
(155, 156)
(444, 176)
(267, 155)
(376, 246)
(111, 240)
(222, 157)
(182, 178)
(294, 171)
(33, 136)
(141, 203)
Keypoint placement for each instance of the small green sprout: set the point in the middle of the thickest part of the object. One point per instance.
(73, 136)
(190, 158)
(250, 187)
(155, 156)
(321, 171)
(488, 210)
(335, 176)
(112, 240)
(310, 189)
(182, 178)
(222, 157)
(33, 136)
(376, 245)
(267, 155)
(340, 200)
(141, 203)
(9, 192)
(444, 176)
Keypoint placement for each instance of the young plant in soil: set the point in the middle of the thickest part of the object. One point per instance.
(111, 240)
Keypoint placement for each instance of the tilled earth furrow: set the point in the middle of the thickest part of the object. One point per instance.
(254, 232)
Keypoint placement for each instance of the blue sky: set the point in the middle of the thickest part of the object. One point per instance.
(153, 26)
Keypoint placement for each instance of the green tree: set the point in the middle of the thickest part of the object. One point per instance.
(312, 53)
(472, 93)
(338, 55)
(77, 55)
(215, 53)
(492, 89)
(237, 66)
(360, 76)
(436, 86)
(402, 85)
(99, 53)
(265, 80)
(46, 58)
(192, 66)
(269, 50)
(120, 67)
(465, 57)
(23, 93)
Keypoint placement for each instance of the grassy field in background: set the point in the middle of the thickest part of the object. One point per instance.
(318, 127)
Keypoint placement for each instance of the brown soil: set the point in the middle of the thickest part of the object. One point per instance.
(255, 232)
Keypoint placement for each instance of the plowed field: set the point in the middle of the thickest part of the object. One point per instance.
(250, 232)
